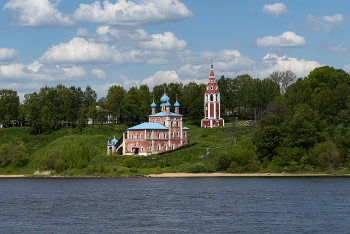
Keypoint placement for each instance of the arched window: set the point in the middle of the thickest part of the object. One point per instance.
(206, 97)
(217, 97)
(211, 87)
(150, 135)
(158, 146)
(141, 135)
(211, 97)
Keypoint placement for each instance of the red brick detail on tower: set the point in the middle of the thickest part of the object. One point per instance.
(212, 104)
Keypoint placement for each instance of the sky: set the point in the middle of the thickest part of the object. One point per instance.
(129, 43)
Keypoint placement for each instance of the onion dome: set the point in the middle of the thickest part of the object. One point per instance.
(164, 98)
(167, 105)
(176, 105)
(114, 141)
(153, 105)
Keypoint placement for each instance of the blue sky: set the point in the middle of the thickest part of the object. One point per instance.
(102, 43)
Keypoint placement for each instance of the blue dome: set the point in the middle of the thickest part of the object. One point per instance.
(167, 104)
(153, 105)
(176, 105)
(114, 141)
(164, 99)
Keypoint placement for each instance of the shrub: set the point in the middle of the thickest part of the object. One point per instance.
(223, 161)
(196, 168)
(60, 166)
(129, 162)
(203, 135)
(91, 169)
(235, 168)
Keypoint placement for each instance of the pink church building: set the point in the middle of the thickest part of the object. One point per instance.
(163, 132)
(212, 117)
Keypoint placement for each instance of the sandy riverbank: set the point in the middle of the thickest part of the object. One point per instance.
(167, 175)
(179, 175)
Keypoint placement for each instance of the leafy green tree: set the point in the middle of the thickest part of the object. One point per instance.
(9, 105)
(269, 136)
(115, 104)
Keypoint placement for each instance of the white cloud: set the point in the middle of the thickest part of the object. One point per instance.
(271, 62)
(337, 49)
(161, 77)
(7, 54)
(102, 89)
(347, 68)
(100, 74)
(275, 10)
(40, 72)
(110, 33)
(226, 59)
(37, 13)
(83, 51)
(324, 22)
(168, 41)
(286, 39)
(132, 14)
(82, 32)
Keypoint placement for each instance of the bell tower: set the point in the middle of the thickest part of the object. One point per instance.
(212, 104)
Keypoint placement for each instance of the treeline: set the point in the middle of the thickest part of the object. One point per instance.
(309, 124)
(53, 107)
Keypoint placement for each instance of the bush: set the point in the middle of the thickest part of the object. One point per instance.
(235, 168)
(223, 161)
(196, 168)
(203, 135)
(129, 162)
(91, 169)
(60, 166)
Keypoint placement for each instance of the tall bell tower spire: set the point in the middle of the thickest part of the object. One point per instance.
(212, 104)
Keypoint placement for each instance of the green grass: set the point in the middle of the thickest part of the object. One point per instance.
(203, 144)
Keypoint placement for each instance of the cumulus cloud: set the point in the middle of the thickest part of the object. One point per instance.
(225, 59)
(337, 49)
(109, 33)
(37, 13)
(168, 41)
(286, 39)
(327, 23)
(100, 74)
(271, 62)
(347, 68)
(82, 32)
(7, 54)
(40, 72)
(102, 89)
(275, 10)
(82, 51)
(132, 14)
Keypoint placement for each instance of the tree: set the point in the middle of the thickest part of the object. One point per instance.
(9, 105)
(115, 104)
(283, 79)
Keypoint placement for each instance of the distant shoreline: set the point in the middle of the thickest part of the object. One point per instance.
(190, 175)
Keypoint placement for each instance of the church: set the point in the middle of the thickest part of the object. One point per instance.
(163, 132)
(212, 117)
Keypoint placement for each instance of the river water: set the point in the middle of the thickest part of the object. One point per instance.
(175, 205)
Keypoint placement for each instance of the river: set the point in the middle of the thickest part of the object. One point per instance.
(175, 205)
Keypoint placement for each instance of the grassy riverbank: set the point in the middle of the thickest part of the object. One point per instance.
(85, 155)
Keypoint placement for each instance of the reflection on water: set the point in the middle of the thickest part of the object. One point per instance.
(174, 205)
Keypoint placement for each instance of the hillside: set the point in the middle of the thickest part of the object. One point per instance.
(46, 149)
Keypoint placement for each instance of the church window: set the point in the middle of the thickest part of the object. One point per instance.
(158, 135)
(141, 135)
(141, 149)
(177, 134)
(211, 87)
(164, 135)
(173, 146)
(165, 147)
(150, 149)
(184, 134)
(137, 136)
(206, 97)
(211, 97)
(150, 135)
(172, 134)
(164, 123)
(158, 146)
(137, 144)
(132, 136)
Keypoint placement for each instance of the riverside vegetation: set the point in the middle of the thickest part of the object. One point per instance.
(303, 126)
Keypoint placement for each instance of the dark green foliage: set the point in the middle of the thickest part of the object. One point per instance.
(223, 161)
(269, 136)
(196, 168)
(13, 153)
(129, 162)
